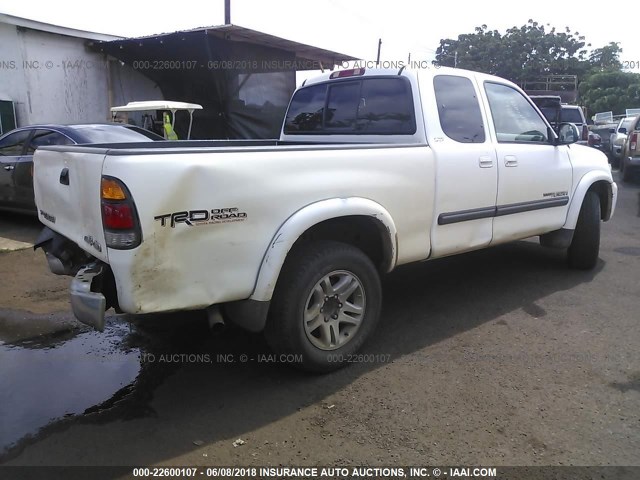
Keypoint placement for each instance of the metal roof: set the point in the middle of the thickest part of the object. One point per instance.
(241, 34)
(57, 29)
(307, 56)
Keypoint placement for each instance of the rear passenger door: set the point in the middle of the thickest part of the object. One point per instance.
(467, 176)
(534, 176)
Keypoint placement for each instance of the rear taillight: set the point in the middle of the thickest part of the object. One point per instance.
(119, 216)
(585, 132)
(633, 142)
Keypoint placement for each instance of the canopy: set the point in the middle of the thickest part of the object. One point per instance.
(156, 105)
(161, 105)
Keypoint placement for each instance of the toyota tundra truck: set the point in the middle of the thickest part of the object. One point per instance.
(374, 169)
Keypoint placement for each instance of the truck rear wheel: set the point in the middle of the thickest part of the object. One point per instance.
(585, 246)
(625, 172)
(326, 303)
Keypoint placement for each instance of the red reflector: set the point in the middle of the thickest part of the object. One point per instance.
(117, 216)
(354, 72)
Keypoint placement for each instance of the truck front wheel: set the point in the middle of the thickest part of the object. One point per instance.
(326, 303)
(585, 246)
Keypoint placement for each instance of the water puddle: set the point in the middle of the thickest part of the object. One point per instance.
(75, 374)
(56, 376)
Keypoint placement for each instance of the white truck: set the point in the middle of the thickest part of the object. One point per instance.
(374, 169)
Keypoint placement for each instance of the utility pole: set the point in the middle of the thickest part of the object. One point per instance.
(227, 12)
(455, 60)
(378, 58)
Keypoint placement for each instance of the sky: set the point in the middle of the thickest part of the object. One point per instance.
(351, 27)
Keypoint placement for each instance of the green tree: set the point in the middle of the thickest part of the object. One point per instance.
(532, 52)
(521, 53)
(606, 58)
(611, 91)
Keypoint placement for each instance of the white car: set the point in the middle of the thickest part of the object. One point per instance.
(373, 169)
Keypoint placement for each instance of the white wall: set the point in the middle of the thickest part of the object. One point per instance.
(55, 78)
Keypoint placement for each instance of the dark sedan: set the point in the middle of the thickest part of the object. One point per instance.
(17, 148)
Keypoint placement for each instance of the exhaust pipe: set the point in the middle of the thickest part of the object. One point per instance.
(216, 322)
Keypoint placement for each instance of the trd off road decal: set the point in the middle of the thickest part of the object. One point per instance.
(195, 218)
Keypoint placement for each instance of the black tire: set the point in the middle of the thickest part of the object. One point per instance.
(301, 290)
(615, 161)
(625, 172)
(585, 246)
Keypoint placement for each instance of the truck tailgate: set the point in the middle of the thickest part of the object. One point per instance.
(67, 194)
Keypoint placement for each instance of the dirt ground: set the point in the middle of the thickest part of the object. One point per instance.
(498, 357)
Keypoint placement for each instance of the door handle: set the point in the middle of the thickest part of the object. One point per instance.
(8, 168)
(485, 161)
(510, 161)
(64, 176)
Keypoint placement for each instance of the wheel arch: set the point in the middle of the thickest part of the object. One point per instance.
(606, 190)
(357, 221)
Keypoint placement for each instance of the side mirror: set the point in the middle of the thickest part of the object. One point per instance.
(622, 130)
(567, 133)
(612, 130)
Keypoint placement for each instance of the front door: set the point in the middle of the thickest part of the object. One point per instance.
(534, 176)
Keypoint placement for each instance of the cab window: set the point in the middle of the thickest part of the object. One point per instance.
(458, 109)
(373, 106)
(514, 118)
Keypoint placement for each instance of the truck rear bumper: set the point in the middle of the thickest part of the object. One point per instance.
(88, 307)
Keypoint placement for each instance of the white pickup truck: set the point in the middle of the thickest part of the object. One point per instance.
(374, 169)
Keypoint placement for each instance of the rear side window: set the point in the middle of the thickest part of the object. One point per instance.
(13, 144)
(46, 137)
(458, 109)
(382, 106)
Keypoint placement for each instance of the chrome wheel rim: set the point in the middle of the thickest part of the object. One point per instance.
(334, 310)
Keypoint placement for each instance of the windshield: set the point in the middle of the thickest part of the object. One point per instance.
(114, 134)
(571, 115)
(626, 122)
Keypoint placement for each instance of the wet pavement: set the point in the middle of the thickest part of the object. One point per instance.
(61, 375)
(78, 375)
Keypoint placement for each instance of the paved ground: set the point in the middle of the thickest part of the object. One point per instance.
(499, 357)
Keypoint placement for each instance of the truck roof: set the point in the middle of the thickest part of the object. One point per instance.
(432, 70)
